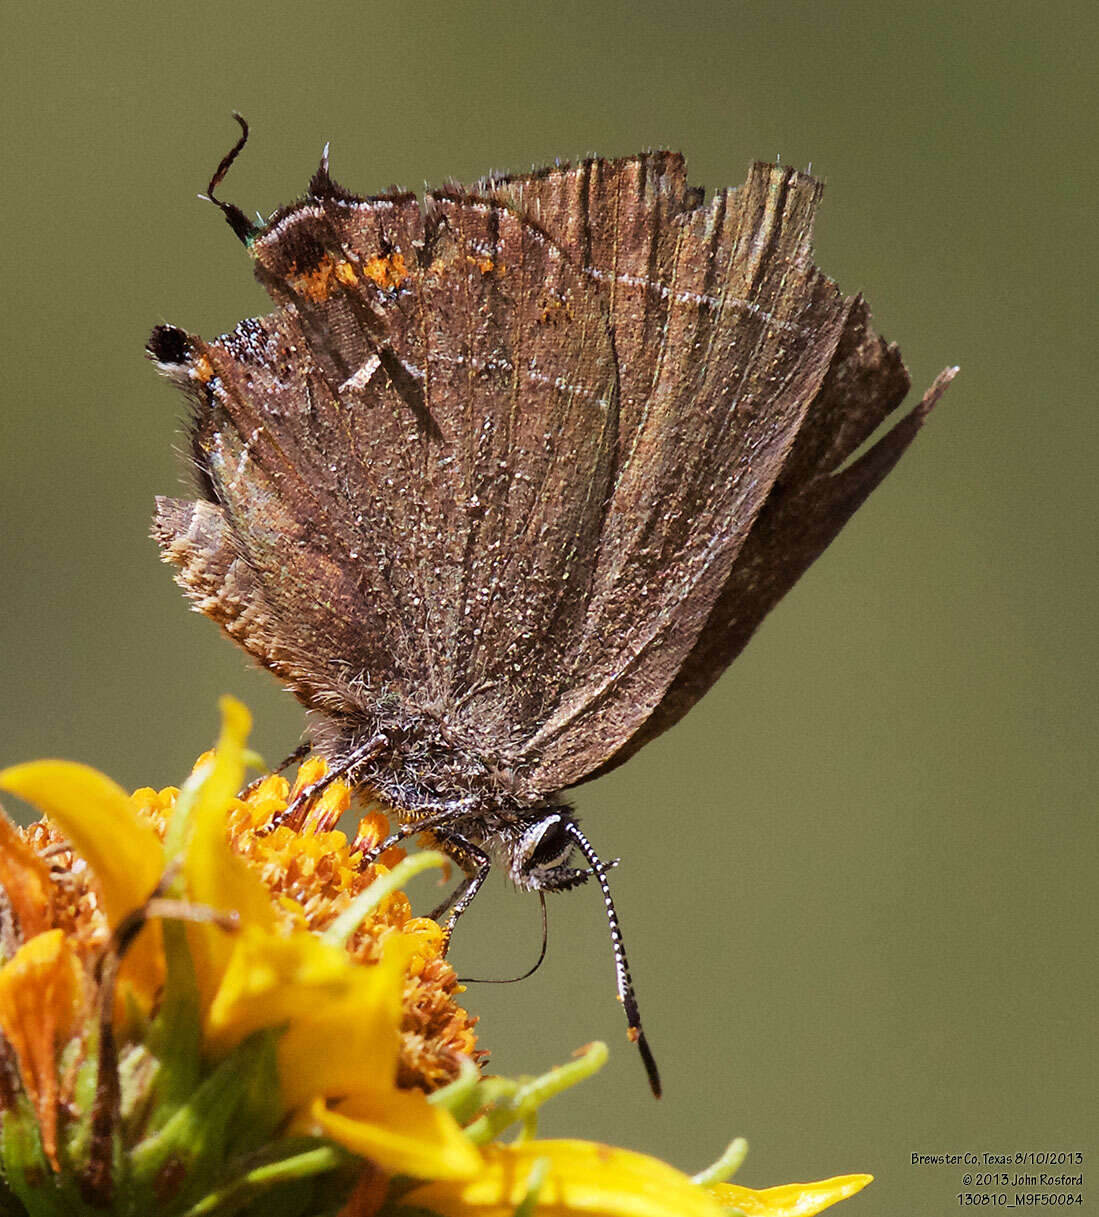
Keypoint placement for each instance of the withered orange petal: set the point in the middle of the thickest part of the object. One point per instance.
(26, 879)
(41, 994)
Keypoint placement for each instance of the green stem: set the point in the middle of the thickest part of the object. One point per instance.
(302, 1165)
(529, 1096)
(726, 1166)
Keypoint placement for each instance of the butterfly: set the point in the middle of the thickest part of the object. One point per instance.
(512, 473)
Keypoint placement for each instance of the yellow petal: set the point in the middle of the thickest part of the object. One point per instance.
(791, 1199)
(364, 1020)
(41, 996)
(272, 979)
(124, 853)
(214, 874)
(100, 821)
(401, 1132)
(582, 1177)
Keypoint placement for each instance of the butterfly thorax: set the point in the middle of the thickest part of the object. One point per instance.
(417, 761)
(475, 806)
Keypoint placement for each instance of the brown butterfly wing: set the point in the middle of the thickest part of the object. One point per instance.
(616, 219)
(446, 392)
(500, 459)
(813, 500)
(724, 330)
(617, 216)
(196, 537)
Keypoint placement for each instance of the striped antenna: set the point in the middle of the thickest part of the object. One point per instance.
(626, 993)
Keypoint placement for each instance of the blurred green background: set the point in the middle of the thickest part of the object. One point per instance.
(858, 881)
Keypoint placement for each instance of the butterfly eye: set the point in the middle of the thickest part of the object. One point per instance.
(549, 845)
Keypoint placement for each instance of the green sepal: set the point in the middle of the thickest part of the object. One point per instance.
(207, 1129)
(175, 1034)
(258, 1116)
(28, 1174)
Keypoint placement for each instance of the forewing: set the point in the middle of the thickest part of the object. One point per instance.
(436, 405)
(292, 552)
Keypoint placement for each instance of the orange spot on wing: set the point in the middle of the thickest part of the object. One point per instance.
(321, 281)
(314, 285)
(487, 266)
(386, 270)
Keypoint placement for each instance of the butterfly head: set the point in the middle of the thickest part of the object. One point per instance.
(537, 859)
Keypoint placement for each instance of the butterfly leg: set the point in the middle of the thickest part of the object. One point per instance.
(292, 814)
(471, 858)
(299, 753)
(441, 815)
(476, 866)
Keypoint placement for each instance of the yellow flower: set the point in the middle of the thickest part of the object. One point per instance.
(209, 1014)
(250, 968)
